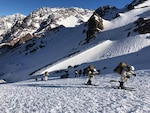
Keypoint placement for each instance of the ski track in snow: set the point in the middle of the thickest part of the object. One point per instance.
(71, 96)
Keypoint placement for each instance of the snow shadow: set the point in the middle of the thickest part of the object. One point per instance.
(64, 86)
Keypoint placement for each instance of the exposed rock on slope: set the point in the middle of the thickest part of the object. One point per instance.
(95, 24)
(134, 3)
(143, 26)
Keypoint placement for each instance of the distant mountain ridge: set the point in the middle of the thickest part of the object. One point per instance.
(39, 21)
(18, 27)
(6, 22)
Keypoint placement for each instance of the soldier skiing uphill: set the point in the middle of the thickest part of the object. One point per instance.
(91, 73)
(125, 71)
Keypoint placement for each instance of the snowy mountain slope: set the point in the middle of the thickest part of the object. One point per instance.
(63, 47)
(128, 17)
(53, 51)
(115, 46)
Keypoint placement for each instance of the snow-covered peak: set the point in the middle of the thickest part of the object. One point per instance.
(62, 14)
(6, 22)
(43, 20)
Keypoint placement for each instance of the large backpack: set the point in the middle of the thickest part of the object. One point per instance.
(91, 68)
(120, 67)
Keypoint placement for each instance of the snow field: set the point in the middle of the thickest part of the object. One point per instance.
(71, 96)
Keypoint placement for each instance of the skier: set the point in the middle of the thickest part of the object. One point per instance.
(91, 73)
(76, 73)
(80, 72)
(46, 74)
(125, 71)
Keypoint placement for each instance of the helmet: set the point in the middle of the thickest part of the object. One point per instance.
(131, 68)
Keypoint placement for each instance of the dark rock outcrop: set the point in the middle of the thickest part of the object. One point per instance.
(107, 10)
(25, 38)
(95, 24)
(134, 3)
(143, 26)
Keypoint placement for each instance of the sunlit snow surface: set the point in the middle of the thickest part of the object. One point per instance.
(64, 48)
(71, 96)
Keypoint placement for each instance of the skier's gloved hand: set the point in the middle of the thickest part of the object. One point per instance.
(134, 75)
(128, 76)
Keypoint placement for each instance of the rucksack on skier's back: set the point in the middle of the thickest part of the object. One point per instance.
(119, 67)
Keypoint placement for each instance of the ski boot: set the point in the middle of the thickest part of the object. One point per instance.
(89, 82)
(121, 86)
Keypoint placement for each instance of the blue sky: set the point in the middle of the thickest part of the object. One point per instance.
(8, 7)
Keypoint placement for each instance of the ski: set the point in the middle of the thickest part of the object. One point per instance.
(125, 88)
(114, 81)
(91, 84)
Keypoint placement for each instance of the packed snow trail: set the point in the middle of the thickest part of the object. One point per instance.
(71, 96)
